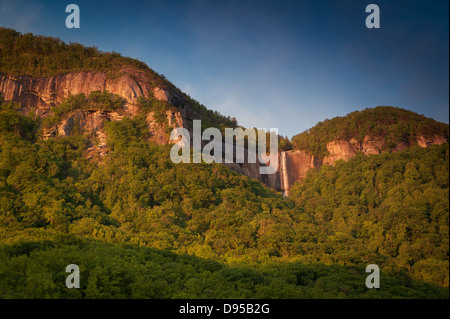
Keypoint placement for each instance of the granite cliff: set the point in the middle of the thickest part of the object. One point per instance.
(40, 94)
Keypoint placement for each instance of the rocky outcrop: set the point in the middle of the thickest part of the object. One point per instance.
(428, 141)
(339, 150)
(372, 145)
(160, 132)
(89, 122)
(45, 92)
(42, 93)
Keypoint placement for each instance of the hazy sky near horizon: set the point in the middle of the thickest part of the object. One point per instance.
(270, 64)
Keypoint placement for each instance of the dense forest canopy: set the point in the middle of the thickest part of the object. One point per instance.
(35, 269)
(393, 205)
(394, 125)
(330, 229)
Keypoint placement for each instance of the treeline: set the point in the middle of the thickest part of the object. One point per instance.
(394, 125)
(34, 55)
(210, 118)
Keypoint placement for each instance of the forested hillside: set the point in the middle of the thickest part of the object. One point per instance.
(34, 268)
(394, 206)
(313, 245)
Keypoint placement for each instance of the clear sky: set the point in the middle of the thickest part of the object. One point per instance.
(271, 64)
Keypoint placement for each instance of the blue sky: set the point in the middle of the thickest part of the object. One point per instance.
(270, 64)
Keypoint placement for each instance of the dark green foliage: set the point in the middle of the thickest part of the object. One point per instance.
(395, 125)
(36, 269)
(211, 118)
(13, 123)
(127, 132)
(244, 240)
(284, 144)
(70, 104)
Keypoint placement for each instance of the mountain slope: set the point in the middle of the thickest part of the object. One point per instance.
(94, 167)
(138, 196)
(40, 72)
(394, 205)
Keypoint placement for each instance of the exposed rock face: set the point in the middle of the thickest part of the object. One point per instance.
(40, 94)
(426, 142)
(294, 165)
(89, 122)
(160, 131)
(45, 92)
(339, 150)
(161, 94)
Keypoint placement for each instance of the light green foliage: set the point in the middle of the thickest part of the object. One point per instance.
(105, 101)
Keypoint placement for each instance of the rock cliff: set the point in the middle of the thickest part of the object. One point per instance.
(41, 94)
(294, 165)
